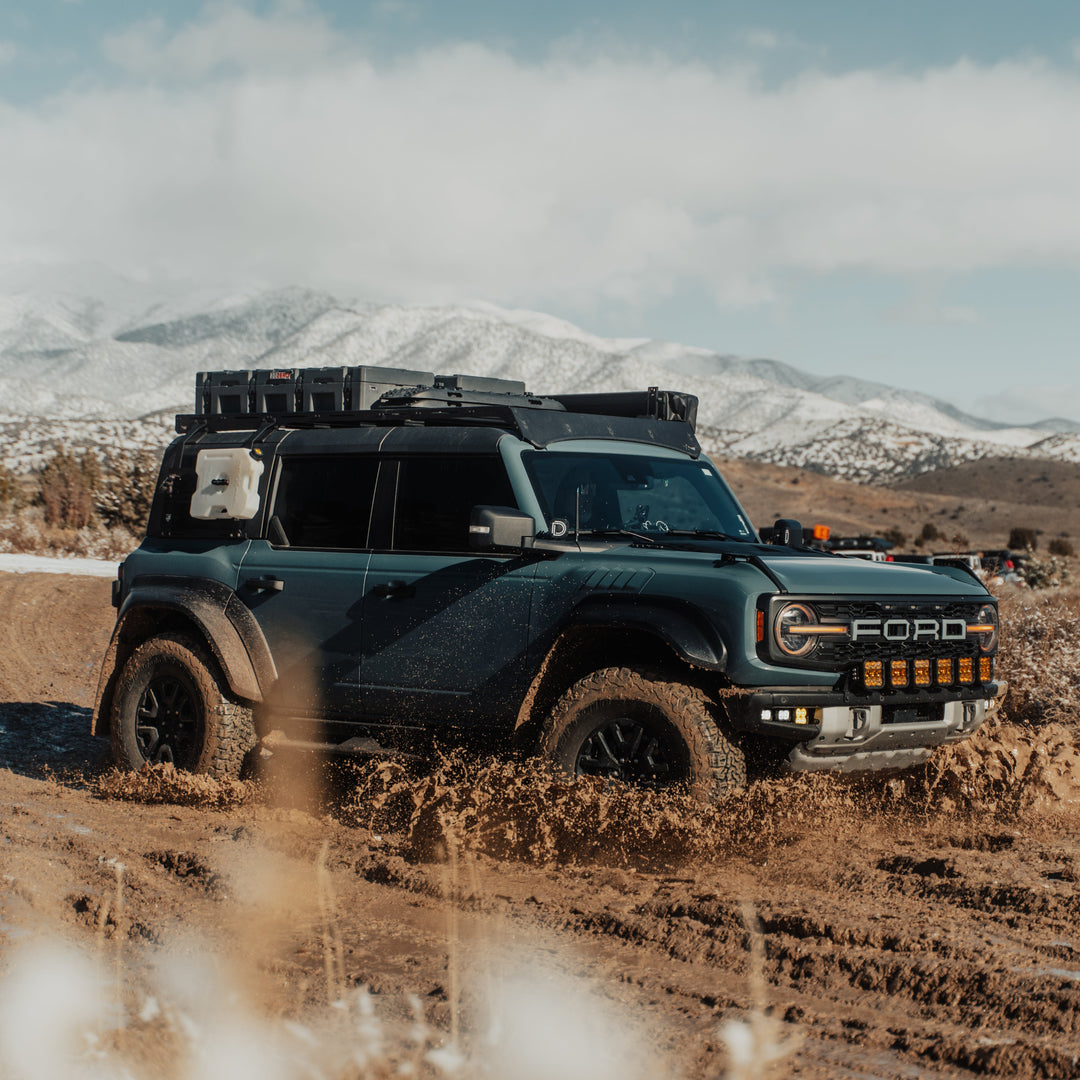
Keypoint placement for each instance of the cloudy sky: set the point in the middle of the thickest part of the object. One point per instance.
(853, 187)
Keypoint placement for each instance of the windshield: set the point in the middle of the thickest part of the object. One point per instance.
(652, 496)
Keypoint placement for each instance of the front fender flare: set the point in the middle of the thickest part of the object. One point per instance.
(688, 631)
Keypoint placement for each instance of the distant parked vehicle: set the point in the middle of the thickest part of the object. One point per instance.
(872, 548)
(872, 554)
(958, 558)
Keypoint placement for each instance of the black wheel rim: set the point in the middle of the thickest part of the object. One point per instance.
(167, 722)
(637, 749)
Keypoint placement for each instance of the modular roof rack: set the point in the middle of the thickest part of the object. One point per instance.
(378, 397)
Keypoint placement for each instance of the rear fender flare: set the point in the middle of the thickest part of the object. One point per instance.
(212, 612)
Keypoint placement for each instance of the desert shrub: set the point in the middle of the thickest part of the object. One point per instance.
(1021, 537)
(126, 490)
(1044, 573)
(67, 483)
(895, 537)
(9, 487)
(929, 532)
(1039, 656)
(1059, 546)
(19, 535)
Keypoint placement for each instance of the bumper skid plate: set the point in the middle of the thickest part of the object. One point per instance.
(858, 738)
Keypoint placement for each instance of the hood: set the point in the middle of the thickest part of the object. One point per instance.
(808, 574)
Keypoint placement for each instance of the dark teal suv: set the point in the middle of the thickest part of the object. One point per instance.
(352, 558)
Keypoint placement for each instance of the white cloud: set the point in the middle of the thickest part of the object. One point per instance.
(273, 149)
(227, 36)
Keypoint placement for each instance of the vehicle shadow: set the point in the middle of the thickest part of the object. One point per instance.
(42, 737)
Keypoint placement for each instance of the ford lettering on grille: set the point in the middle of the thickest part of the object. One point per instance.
(909, 629)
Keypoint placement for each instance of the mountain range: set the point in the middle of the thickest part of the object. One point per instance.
(110, 370)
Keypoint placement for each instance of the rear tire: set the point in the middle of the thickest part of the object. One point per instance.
(622, 724)
(171, 706)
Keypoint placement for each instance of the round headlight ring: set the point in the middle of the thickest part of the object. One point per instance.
(988, 616)
(794, 644)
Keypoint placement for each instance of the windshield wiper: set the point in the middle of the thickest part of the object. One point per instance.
(703, 534)
(621, 532)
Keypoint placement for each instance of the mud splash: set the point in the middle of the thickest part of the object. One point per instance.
(524, 811)
(1007, 768)
(157, 784)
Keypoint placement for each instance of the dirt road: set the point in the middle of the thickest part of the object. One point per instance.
(927, 928)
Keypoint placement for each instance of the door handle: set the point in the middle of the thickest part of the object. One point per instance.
(271, 584)
(390, 589)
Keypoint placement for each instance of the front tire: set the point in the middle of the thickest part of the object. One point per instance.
(172, 706)
(625, 725)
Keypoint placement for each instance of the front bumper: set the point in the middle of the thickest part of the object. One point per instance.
(858, 737)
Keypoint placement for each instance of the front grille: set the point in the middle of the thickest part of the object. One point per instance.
(877, 662)
(842, 653)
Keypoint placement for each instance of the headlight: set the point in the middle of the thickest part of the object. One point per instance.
(985, 628)
(786, 629)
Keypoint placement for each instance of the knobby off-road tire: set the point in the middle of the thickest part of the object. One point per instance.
(171, 705)
(627, 725)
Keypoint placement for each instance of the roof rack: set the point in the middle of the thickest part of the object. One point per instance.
(379, 397)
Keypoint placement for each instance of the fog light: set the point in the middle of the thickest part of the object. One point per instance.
(986, 669)
(766, 714)
(966, 669)
(944, 671)
(783, 714)
(922, 672)
(872, 675)
(898, 673)
(800, 716)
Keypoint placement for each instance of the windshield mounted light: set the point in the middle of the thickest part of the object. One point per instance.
(790, 620)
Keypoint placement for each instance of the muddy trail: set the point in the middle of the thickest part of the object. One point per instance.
(481, 918)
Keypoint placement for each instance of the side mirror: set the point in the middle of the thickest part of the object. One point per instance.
(788, 532)
(499, 527)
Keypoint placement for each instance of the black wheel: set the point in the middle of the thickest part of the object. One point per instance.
(172, 706)
(622, 724)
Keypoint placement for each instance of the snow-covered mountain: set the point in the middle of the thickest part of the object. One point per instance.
(112, 371)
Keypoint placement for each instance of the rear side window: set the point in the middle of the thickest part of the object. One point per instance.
(323, 502)
(435, 497)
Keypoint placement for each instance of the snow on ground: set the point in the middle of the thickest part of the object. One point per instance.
(44, 564)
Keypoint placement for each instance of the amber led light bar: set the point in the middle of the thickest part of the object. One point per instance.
(926, 672)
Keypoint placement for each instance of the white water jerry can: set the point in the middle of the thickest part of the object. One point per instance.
(227, 484)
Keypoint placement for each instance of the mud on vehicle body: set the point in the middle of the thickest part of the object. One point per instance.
(349, 558)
